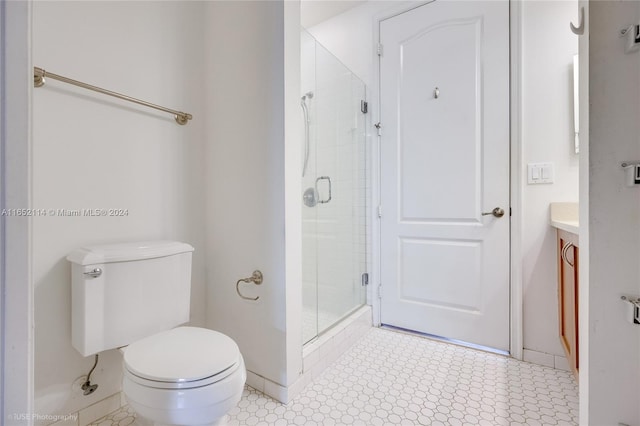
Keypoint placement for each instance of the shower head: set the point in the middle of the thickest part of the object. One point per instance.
(307, 95)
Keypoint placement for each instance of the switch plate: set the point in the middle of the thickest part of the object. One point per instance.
(539, 173)
(633, 174)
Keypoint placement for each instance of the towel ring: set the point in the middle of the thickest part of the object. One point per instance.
(255, 278)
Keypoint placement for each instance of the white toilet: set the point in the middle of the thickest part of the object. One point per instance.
(133, 295)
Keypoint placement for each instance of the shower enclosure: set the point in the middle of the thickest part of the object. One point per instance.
(334, 183)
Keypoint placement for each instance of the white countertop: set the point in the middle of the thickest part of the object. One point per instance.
(565, 216)
(567, 225)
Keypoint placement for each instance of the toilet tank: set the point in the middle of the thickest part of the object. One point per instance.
(123, 292)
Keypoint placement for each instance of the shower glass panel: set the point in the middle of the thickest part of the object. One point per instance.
(334, 228)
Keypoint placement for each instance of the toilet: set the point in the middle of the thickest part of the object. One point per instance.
(136, 296)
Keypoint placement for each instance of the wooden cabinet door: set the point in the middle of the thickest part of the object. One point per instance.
(568, 296)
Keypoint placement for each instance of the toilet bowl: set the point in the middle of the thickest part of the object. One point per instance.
(185, 376)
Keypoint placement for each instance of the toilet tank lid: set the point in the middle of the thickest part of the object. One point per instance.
(123, 252)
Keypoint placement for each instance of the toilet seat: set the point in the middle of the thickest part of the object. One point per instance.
(181, 358)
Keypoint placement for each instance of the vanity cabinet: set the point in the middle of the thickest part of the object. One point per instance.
(568, 290)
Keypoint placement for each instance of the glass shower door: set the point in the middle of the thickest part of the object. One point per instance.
(334, 223)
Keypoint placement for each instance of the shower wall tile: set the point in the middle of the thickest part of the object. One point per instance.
(310, 360)
(326, 348)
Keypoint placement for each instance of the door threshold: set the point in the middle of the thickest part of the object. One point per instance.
(446, 340)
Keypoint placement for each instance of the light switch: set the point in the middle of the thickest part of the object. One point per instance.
(535, 173)
(544, 172)
(539, 173)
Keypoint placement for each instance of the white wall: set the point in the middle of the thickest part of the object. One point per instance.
(91, 151)
(293, 189)
(614, 217)
(350, 37)
(252, 128)
(16, 297)
(222, 178)
(547, 134)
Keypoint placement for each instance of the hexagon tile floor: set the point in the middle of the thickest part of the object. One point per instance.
(391, 378)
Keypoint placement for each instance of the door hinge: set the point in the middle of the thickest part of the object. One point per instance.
(379, 291)
(365, 279)
(379, 211)
(510, 212)
(378, 126)
(364, 106)
(379, 49)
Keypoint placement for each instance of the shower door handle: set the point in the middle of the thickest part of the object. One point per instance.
(328, 179)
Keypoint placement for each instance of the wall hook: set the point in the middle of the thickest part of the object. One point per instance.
(436, 93)
(579, 30)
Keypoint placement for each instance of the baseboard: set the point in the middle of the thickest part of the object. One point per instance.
(548, 360)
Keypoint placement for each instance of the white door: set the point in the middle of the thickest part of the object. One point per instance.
(444, 93)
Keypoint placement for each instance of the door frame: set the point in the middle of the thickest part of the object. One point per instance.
(516, 340)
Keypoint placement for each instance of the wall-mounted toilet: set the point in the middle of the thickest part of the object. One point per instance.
(132, 295)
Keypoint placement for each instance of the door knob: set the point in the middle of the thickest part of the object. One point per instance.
(497, 212)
